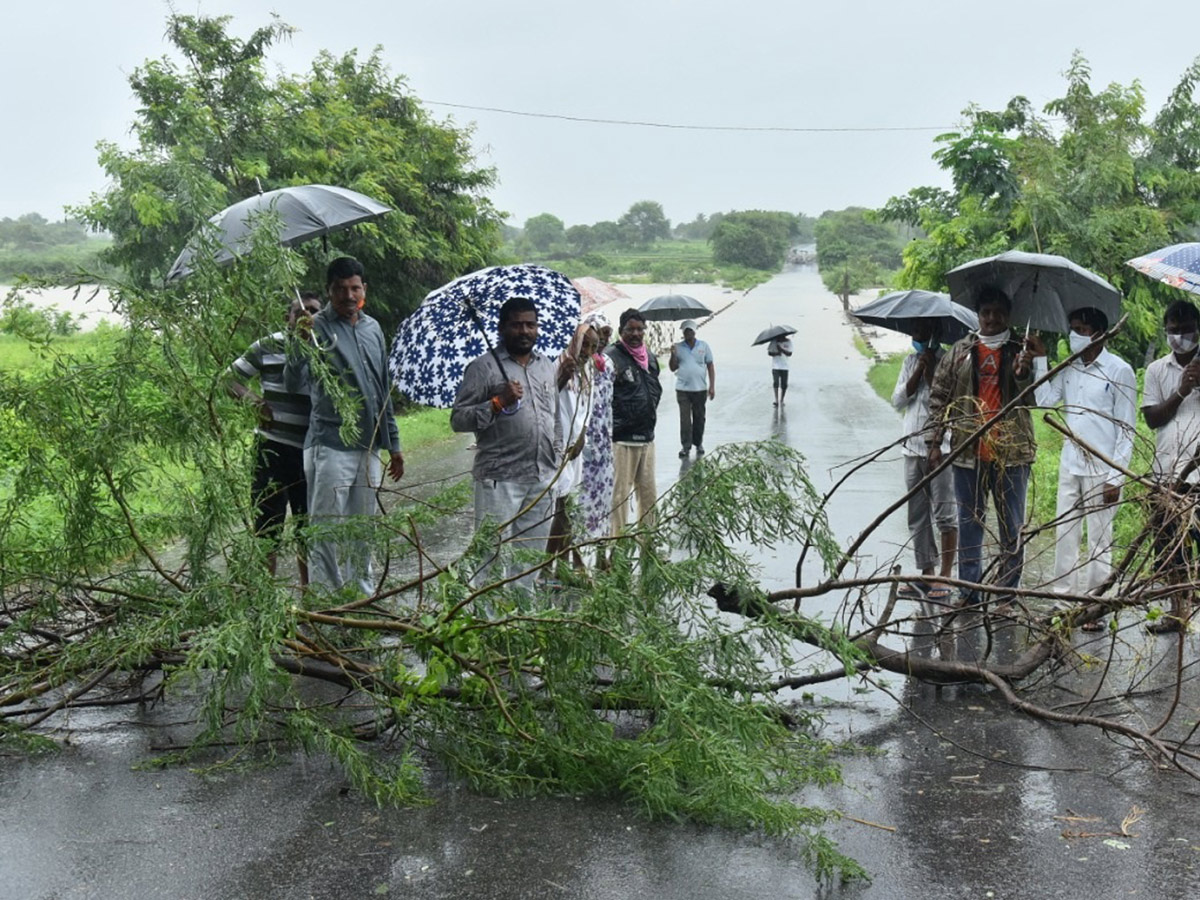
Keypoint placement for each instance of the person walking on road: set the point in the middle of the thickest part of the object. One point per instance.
(1171, 406)
(1098, 394)
(933, 505)
(695, 384)
(636, 393)
(341, 458)
(975, 380)
(779, 350)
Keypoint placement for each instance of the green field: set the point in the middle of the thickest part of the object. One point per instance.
(664, 262)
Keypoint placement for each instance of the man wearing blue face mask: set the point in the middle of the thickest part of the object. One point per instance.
(934, 504)
(1098, 393)
(1171, 406)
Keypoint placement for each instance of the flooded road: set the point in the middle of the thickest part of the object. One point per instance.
(966, 798)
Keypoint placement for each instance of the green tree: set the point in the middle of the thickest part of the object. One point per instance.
(212, 129)
(755, 238)
(1101, 188)
(606, 233)
(581, 238)
(644, 223)
(544, 231)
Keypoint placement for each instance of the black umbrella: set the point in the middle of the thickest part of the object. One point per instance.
(902, 310)
(305, 211)
(775, 331)
(673, 306)
(1044, 289)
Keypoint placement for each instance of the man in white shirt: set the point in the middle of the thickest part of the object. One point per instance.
(779, 350)
(695, 384)
(1171, 406)
(1098, 394)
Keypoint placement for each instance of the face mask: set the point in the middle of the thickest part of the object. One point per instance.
(993, 341)
(1078, 341)
(1182, 343)
(920, 346)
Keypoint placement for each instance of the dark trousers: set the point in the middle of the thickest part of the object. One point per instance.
(1006, 486)
(691, 417)
(278, 483)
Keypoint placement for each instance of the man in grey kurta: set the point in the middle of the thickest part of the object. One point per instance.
(341, 459)
(517, 441)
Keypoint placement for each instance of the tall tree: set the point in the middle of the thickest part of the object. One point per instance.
(214, 128)
(543, 231)
(644, 223)
(1099, 189)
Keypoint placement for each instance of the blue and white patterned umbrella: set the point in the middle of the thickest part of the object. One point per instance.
(434, 344)
(1177, 265)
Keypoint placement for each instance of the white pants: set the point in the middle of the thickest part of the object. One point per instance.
(521, 513)
(1080, 500)
(342, 486)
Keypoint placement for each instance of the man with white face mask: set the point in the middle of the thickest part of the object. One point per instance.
(973, 382)
(1098, 393)
(1171, 406)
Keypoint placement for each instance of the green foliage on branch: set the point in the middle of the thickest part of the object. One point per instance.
(214, 127)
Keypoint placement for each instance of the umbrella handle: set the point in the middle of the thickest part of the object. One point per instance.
(479, 325)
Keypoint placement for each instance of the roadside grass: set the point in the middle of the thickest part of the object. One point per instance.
(38, 518)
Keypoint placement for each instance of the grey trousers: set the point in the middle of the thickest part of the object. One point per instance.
(521, 514)
(692, 406)
(342, 487)
(933, 505)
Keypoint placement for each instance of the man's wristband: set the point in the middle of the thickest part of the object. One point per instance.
(497, 404)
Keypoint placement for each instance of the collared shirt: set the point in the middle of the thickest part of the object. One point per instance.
(523, 447)
(1100, 407)
(692, 374)
(355, 357)
(916, 410)
(289, 409)
(1176, 441)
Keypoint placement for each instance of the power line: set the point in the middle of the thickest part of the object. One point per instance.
(686, 127)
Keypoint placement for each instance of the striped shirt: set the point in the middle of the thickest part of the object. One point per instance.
(289, 410)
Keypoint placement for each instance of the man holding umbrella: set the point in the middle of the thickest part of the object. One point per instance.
(695, 384)
(509, 398)
(978, 376)
(348, 375)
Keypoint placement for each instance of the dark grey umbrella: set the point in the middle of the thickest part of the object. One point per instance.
(1045, 289)
(775, 331)
(305, 211)
(673, 306)
(901, 311)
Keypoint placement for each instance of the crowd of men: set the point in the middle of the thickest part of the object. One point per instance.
(958, 403)
(325, 415)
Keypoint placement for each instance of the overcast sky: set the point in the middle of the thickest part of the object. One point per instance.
(789, 64)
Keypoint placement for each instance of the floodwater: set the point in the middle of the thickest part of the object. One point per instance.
(966, 798)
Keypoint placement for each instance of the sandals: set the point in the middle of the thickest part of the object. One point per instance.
(912, 590)
(938, 593)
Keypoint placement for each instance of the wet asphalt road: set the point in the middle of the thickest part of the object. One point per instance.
(974, 799)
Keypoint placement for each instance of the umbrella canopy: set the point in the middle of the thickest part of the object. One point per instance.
(1045, 289)
(460, 321)
(305, 211)
(775, 331)
(673, 306)
(902, 310)
(596, 293)
(1177, 265)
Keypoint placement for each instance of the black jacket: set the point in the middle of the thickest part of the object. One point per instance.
(636, 393)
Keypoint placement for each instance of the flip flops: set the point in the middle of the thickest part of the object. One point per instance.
(938, 593)
(913, 590)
